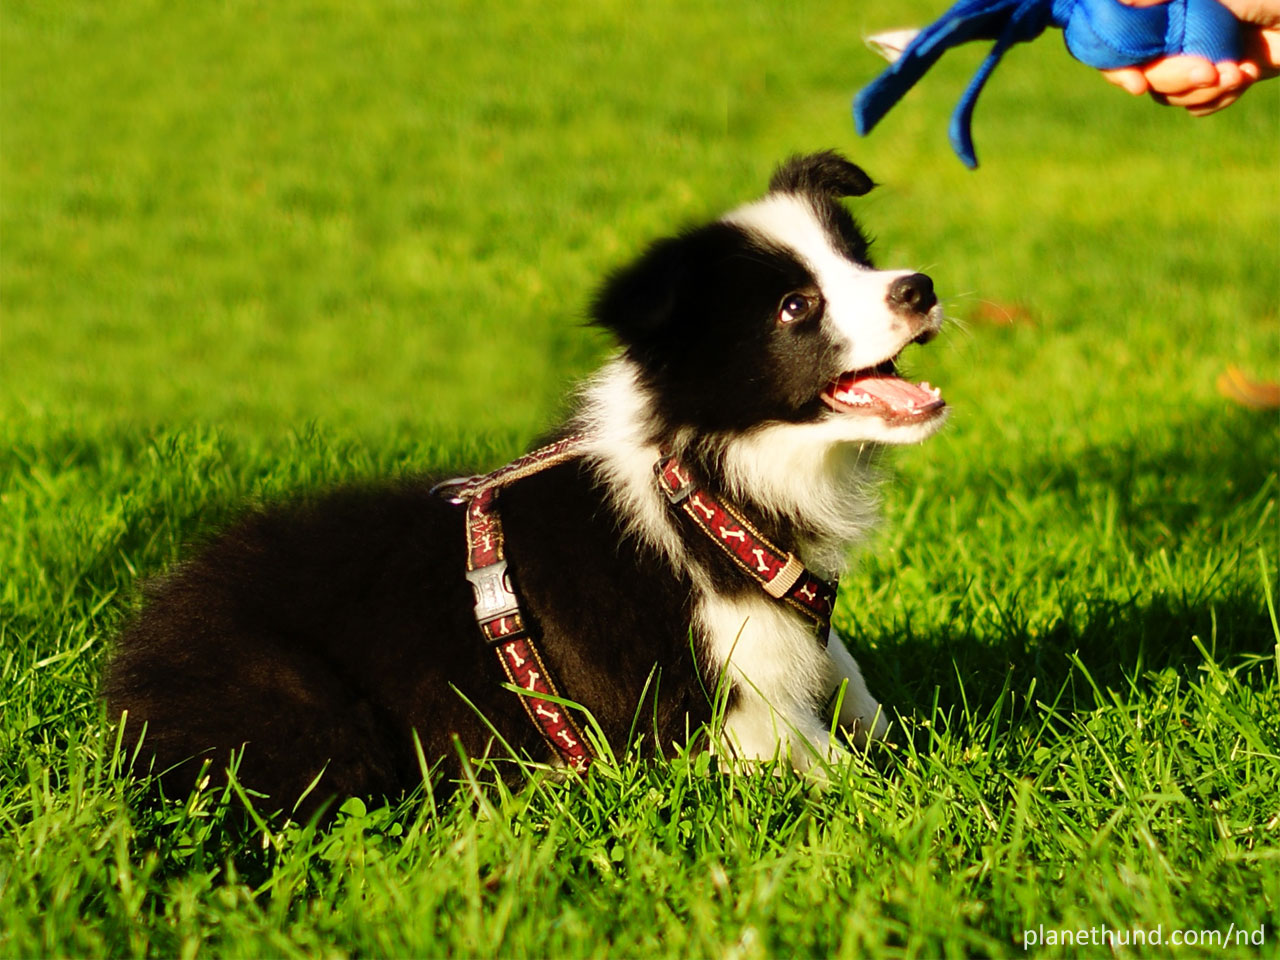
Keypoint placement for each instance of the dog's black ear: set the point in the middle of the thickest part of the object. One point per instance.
(639, 301)
(824, 174)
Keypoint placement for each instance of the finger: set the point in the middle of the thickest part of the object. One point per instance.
(1206, 95)
(1264, 49)
(1197, 98)
(1265, 13)
(1143, 3)
(1129, 79)
(1180, 74)
(1226, 100)
(1229, 74)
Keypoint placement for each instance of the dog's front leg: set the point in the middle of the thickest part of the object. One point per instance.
(860, 713)
(756, 730)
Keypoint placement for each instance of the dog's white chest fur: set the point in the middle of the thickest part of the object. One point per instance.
(784, 676)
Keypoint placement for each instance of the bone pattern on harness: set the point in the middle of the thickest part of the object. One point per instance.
(497, 605)
(780, 574)
(524, 669)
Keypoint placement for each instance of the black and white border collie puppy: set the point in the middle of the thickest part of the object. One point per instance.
(759, 349)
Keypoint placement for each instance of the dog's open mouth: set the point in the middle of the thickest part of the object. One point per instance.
(879, 391)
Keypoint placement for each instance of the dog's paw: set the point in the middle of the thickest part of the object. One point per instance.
(861, 715)
(867, 722)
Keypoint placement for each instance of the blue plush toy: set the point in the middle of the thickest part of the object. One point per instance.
(1104, 34)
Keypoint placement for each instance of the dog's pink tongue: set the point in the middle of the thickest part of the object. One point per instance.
(897, 393)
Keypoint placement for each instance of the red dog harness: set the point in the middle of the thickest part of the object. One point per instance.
(497, 605)
(780, 574)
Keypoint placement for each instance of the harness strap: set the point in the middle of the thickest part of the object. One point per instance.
(779, 573)
(497, 605)
(464, 488)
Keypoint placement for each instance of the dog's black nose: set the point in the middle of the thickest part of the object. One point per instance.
(913, 293)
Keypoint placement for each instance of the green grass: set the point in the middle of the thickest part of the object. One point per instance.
(252, 249)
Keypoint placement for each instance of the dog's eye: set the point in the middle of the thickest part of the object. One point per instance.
(795, 306)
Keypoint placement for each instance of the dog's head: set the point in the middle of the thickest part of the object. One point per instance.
(773, 315)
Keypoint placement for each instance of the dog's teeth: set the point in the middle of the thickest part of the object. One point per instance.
(935, 391)
(926, 384)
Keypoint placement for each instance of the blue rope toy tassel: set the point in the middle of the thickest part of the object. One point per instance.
(1105, 34)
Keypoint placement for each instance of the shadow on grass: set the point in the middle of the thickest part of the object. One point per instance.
(1158, 491)
(1116, 642)
(1165, 482)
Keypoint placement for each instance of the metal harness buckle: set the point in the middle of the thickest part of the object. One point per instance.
(675, 496)
(494, 596)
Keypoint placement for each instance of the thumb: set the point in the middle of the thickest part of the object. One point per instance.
(1129, 79)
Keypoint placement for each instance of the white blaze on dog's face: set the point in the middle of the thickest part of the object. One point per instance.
(868, 315)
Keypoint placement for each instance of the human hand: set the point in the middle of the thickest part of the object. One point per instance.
(1199, 85)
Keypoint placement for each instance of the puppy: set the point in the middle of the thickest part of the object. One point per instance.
(677, 541)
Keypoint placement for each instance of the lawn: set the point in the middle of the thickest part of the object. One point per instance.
(249, 250)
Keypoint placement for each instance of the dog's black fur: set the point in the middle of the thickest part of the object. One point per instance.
(321, 635)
